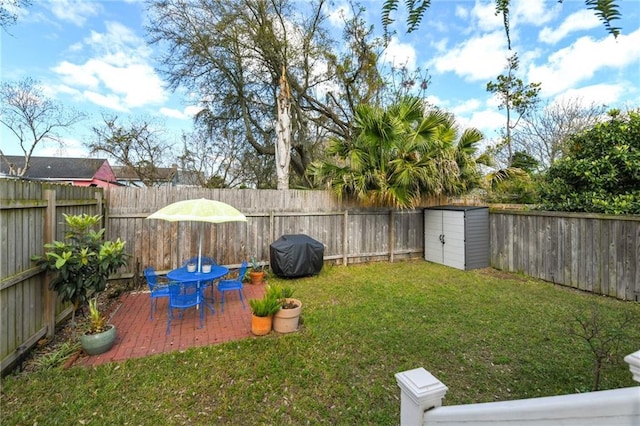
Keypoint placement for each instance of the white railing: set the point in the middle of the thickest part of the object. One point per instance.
(422, 394)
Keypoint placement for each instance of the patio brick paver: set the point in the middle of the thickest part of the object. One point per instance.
(139, 336)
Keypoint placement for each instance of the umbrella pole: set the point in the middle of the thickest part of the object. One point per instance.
(200, 250)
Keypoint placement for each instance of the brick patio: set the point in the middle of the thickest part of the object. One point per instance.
(139, 336)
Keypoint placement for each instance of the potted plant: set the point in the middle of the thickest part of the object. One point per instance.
(287, 319)
(262, 311)
(83, 262)
(100, 336)
(256, 274)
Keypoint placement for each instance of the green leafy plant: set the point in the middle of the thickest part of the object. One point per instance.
(56, 358)
(282, 293)
(97, 321)
(287, 292)
(83, 262)
(268, 305)
(255, 265)
(600, 172)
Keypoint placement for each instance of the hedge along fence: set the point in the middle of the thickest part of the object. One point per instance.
(350, 233)
(31, 214)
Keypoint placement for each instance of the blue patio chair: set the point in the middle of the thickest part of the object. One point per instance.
(233, 284)
(157, 289)
(183, 296)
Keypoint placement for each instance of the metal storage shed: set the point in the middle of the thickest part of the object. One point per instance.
(457, 236)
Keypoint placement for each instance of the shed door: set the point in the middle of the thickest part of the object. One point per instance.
(444, 237)
(453, 230)
(433, 251)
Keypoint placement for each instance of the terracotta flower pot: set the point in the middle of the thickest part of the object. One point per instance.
(256, 277)
(261, 325)
(287, 320)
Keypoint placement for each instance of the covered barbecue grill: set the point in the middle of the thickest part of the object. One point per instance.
(296, 255)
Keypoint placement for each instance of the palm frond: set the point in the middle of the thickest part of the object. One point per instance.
(415, 13)
(607, 12)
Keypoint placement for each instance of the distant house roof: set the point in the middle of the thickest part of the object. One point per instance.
(126, 174)
(79, 171)
(163, 176)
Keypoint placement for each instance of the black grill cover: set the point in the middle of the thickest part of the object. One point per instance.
(296, 256)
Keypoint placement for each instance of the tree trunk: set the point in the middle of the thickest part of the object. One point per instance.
(283, 144)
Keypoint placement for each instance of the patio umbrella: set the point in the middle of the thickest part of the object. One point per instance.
(199, 210)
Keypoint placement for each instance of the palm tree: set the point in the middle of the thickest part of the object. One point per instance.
(400, 155)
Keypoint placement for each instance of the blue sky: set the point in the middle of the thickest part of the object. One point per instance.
(92, 56)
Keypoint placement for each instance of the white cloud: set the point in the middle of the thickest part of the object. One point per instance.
(466, 106)
(69, 147)
(579, 21)
(532, 12)
(173, 113)
(108, 101)
(119, 76)
(75, 11)
(606, 94)
(484, 12)
(76, 75)
(118, 39)
(436, 101)
(568, 67)
(400, 54)
(186, 114)
(339, 15)
(475, 59)
(462, 12)
(192, 110)
(489, 122)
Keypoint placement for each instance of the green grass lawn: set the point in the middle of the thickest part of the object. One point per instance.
(487, 335)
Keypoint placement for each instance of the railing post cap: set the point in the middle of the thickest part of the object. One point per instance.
(634, 364)
(422, 387)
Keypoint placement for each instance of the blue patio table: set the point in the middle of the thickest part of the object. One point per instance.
(184, 276)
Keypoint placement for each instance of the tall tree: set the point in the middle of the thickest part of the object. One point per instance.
(515, 97)
(605, 10)
(231, 54)
(137, 145)
(544, 132)
(32, 118)
(399, 155)
(217, 160)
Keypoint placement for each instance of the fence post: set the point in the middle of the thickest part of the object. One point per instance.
(419, 392)
(345, 238)
(50, 298)
(392, 220)
(634, 364)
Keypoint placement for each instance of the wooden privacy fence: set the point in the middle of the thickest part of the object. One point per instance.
(589, 252)
(350, 234)
(595, 253)
(30, 216)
